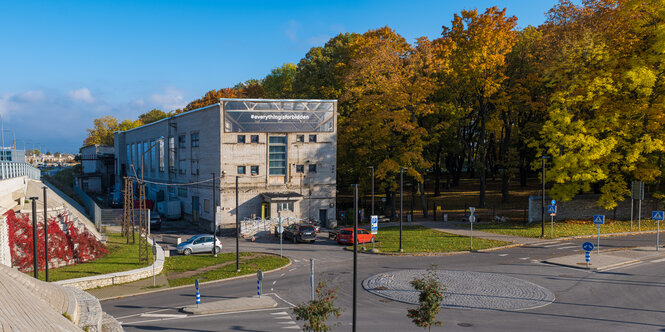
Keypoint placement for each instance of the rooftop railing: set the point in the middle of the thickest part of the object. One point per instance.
(10, 169)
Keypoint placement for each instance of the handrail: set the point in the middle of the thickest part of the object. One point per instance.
(12, 169)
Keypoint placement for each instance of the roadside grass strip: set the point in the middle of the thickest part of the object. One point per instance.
(121, 257)
(564, 228)
(420, 239)
(183, 270)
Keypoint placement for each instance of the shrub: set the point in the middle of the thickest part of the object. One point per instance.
(315, 313)
(431, 295)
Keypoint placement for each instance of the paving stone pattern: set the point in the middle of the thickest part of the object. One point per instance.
(473, 290)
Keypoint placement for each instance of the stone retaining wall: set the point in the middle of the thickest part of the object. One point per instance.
(119, 277)
(585, 206)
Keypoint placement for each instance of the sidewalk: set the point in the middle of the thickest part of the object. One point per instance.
(608, 259)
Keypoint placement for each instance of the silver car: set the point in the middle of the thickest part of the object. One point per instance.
(199, 243)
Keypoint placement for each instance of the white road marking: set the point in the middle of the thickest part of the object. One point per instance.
(281, 275)
(283, 317)
(567, 247)
(555, 245)
(294, 327)
(524, 258)
(274, 282)
(281, 313)
(287, 323)
(164, 315)
(147, 312)
(502, 255)
(658, 260)
(197, 316)
(279, 297)
(297, 261)
(293, 269)
(272, 289)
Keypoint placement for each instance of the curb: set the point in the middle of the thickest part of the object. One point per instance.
(368, 252)
(601, 268)
(201, 283)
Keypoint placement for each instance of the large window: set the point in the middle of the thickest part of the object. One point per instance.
(182, 192)
(153, 155)
(172, 154)
(195, 139)
(195, 167)
(241, 169)
(254, 138)
(254, 170)
(285, 206)
(312, 168)
(182, 142)
(161, 156)
(277, 155)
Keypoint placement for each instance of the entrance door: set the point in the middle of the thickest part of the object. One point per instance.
(195, 208)
(323, 217)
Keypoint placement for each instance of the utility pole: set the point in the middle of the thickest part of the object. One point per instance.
(355, 256)
(372, 168)
(214, 216)
(237, 230)
(401, 204)
(45, 236)
(35, 252)
(542, 202)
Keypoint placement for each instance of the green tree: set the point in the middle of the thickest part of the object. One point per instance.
(430, 297)
(316, 313)
(279, 83)
(152, 116)
(102, 131)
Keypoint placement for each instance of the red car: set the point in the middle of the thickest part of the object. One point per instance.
(346, 236)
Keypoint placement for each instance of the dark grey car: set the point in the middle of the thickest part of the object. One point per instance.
(300, 233)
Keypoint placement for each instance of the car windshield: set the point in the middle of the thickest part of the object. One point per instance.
(346, 232)
(191, 239)
(306, 229)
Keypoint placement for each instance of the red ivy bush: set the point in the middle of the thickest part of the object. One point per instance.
(65, 247)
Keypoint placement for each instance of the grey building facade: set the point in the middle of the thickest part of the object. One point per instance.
(282, 153)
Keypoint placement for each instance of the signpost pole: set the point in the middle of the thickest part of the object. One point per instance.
(598, 241)
(311, 276)
(639, 215)
(587, 246)
(632, 202)
(657, 234)
(281, 231)
(471, 237)
(551, 226)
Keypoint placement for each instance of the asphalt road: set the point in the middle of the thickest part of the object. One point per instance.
(628, 298)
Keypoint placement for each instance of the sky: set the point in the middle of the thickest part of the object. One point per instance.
(65, 63)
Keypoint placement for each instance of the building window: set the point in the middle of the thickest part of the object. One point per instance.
(300, 138)
(161, 156)
(143, 161)
(172, 154)
(285, 206)
(195, 167)
(181, 141)
(171, 190)
(195, 139)
(254, 170)
(206, 205)
(129, 154)
(277, 155)
(182, 192)
(300, 168)
(241, 169)
(312, 138)
(254, 138)
(241, 138)
(312, 168)
(153, 155)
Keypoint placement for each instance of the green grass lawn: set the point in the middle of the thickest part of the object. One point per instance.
(182, 270)
(564, 228)
(121, 257)
(417, 239)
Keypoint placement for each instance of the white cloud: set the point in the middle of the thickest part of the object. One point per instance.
(31, 96)
(82, 94)
(291, 30)
(169, 100)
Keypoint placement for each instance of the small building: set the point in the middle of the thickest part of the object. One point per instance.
(97, 169)
(281, 153)
(11, 154)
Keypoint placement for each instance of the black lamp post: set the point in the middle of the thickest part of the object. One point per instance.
(35, 252)
(401, 204)
(237, 230)
(542, 203)
(372, 168)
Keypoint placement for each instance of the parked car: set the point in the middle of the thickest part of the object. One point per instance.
(155, 221)
(345, 236)
(300, 233)
(199, 243)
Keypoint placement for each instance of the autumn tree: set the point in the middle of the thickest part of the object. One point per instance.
(102, 131)
(480, 43)
(388, 93)
(605, 114)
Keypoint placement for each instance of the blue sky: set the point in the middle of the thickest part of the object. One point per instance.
(65, 63)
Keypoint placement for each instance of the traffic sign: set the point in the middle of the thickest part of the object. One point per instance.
(588, 256)
(657, 215)
(553, 202)
(599, 219)
(587, 246)
(551, 209)
(472, 210)
(472, 219)
(280, 229)
(375, 224)
(259, 275)
(196, 284)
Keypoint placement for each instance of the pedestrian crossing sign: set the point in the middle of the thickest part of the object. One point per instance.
(657, 215)
(551, 209)
(599, 219)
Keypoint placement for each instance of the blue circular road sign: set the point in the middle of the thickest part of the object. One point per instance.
(553, 202)
(587, 246)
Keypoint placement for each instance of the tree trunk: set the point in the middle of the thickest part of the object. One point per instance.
(437, 173)
(482, 152)
(505, 177)
(423, 199)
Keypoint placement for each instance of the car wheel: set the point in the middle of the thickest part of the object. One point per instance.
(187, 252)
(218, 250)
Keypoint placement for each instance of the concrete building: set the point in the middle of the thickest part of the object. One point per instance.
(282, 153)
(11, 154)
(97, 167)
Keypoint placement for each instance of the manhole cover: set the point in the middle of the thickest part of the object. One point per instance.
(464, 324)
(473, 290)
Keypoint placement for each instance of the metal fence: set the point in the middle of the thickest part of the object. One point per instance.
(10, 169)
(93, 210)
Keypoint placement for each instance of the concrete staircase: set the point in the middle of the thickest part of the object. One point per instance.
(33, 305)
(112, 217)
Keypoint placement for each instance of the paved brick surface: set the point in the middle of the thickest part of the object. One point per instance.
(473, 290)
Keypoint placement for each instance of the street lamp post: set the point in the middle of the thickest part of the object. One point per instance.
(372, 168)
(542, 203)
(45, 236)
(401, 204)
(237, 230)
(34, 237)
(355, 255)
(214, 216)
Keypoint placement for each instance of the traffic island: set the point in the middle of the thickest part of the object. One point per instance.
(239, 304)
(608, 258)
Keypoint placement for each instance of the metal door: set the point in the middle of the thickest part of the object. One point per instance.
(323, 217)
(195, 209)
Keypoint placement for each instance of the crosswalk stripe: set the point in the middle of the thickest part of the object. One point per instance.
(295, 327)
(524, 258)
(658, 260)
(279, 313)
(502, 255)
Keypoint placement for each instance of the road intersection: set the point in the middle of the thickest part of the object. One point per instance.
(623, 298)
